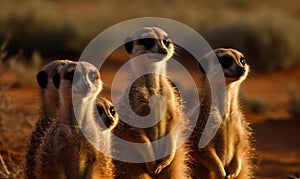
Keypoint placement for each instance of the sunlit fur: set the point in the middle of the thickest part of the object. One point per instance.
(174, 165)
(49, 109)
(65, 151)
(229, 153)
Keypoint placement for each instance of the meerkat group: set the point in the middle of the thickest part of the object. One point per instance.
(66, 139)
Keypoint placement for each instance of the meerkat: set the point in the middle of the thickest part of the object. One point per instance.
(229, 153)
(49, 109)
(149, 41)
(65, 151)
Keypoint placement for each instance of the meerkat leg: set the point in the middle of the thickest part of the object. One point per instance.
(234, 168)
(210, 160)
(140, 137)
(246, 170)
(150, 154)
(158, 167)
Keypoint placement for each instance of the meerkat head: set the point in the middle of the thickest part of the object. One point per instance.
(149, 40)
(107, 112)
(82, 78)
(44, 77)
(233, 64)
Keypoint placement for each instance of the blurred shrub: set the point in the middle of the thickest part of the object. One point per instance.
(256, 105)
(294, 102)
(30, 33)
(266, 31)
(269, 42)
(25, 71)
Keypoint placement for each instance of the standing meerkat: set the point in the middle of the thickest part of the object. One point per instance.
(229, 153)
(152, 48)
(65, 151)
(49, 110)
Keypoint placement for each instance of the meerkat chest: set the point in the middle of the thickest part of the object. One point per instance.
(227, 140)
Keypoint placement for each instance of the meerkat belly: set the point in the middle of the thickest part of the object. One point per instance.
(231, 139)
(166, 119)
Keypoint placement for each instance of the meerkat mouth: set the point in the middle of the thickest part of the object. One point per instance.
(149, 58)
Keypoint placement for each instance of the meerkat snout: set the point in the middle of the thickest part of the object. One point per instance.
(149, 40)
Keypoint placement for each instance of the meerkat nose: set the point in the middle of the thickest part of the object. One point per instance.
(241, 70)
(87, 87)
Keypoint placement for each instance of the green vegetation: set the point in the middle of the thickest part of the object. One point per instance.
(266, 31)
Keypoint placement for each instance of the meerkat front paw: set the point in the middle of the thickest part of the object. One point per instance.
(160, 166)
(158, 169)
(233, 170)
(150, 167)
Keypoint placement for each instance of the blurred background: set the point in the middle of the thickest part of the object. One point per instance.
(35, 32)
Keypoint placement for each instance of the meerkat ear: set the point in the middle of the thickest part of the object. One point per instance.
(42, 79)
(56, 80)
(128, 45)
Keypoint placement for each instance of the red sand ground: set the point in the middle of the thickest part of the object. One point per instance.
(277, 140)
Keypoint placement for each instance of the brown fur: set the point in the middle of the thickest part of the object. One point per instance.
(65, 151)
(174, 165)
(229, 153)
(49, 109)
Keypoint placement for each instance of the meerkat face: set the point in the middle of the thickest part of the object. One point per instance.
(107, 112)
(149, 40)
(233, 64)
(83, 78)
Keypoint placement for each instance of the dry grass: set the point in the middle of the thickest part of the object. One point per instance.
(10, 163)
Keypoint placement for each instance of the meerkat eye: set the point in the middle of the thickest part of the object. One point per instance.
(93, 76)
(167, 42)
(112, 111)
(148, 43)
(242, 61)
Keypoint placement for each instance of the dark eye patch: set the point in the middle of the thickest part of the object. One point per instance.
(70, 75)
(148, 43)
(226, 61)
(100, 109)
(42, 79)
